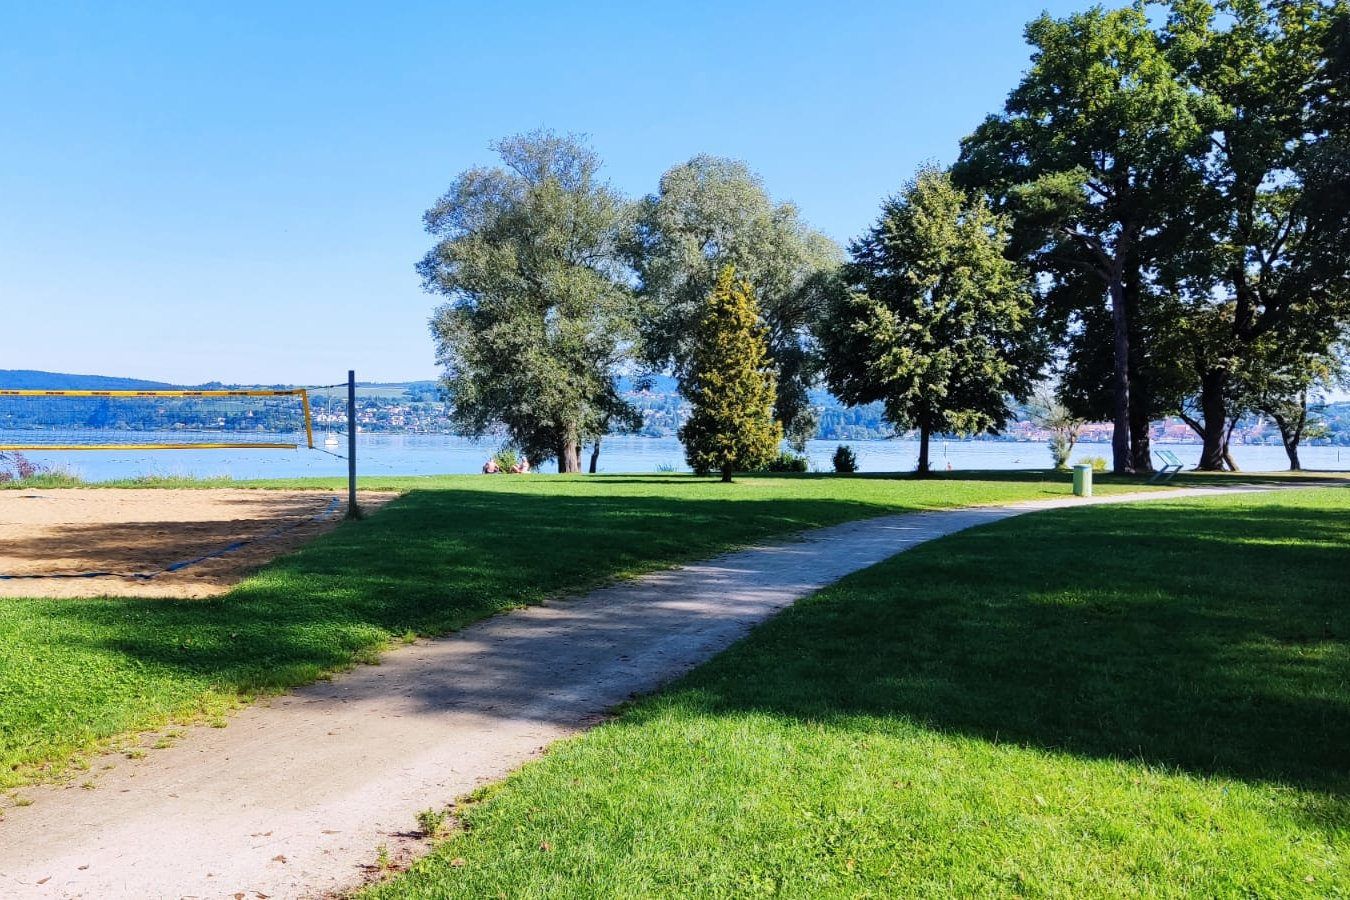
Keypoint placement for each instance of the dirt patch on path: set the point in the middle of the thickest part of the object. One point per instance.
(93, 542)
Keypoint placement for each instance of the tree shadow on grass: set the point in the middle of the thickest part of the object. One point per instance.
(1212, 638)
(428, 563)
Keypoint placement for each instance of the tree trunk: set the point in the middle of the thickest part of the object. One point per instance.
(1120, 437)
(1292, 451)
(595, 455)
(1141, 440)
(1141, 455)
(924, 433)
(1291, 433)
(726, 474)
(1227, 443)
(569, 453)
(1214, 422)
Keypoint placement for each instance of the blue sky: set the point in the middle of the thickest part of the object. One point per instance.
(194, 191)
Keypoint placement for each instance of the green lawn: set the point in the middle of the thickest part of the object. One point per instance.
(1146, 700)
(74, 673)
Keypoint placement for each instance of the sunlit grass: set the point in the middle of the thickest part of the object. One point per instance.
(1117, 701)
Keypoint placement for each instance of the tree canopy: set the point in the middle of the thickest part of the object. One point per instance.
(1177, 184)
(540, 318)
(1088, 155)
(1162, 200)
(936, 322)
(712, 212)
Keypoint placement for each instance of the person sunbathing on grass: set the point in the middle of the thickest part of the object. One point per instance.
(522, 467)
(490, 467)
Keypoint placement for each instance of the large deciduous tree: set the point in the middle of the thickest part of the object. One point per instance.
(712, 212)
(1286, 383)
(540, 317)
(729, 384)
(1090, 155)
(1265, 272)
(935, 321)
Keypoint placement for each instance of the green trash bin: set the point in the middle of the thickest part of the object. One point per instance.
(1082, 481)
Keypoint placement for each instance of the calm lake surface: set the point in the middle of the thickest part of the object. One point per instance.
(434, 454)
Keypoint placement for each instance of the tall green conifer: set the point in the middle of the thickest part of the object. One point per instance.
(731, 384)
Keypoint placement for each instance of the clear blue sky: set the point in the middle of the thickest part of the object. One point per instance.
(233, 191)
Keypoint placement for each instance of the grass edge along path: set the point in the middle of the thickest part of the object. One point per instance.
(1120, 700)
(81, 676)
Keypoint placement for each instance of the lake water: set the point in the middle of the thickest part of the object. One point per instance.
(432, 454)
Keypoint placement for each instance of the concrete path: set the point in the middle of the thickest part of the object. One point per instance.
(294, 797)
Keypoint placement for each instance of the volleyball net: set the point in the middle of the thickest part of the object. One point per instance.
(60, 420)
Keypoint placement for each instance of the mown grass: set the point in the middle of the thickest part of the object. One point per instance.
(74, 673)
(1147, 700)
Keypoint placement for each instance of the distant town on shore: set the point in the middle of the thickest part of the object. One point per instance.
(416, 407)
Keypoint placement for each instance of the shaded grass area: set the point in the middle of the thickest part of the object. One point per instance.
(454, 549)
(1147, 700)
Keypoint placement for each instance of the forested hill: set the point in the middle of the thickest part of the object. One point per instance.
(30, 380)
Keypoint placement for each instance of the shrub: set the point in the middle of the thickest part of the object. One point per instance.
(787, 461)
(1061, 445)
(1099, 464)
(845, 460)
(507, 459)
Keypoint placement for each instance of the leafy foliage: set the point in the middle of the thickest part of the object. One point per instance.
(730, 384)
(787, 461)
(1049, 413)
(845, 460)
(540, 318)
(1098, 463)
(936, 323)
(1192, 168)
(1088, 156)
(712, 212)
(1262, 280)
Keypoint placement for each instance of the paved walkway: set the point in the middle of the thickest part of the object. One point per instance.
(295, 795)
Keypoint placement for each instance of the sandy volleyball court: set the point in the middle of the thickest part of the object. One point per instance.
(151, 542)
